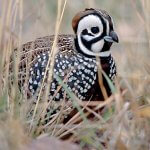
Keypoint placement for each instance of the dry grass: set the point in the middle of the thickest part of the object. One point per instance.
(124, 123)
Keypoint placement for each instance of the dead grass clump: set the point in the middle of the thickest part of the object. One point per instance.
(12, 134)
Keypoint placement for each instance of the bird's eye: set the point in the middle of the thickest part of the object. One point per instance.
(95, 30)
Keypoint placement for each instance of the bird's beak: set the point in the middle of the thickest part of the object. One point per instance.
(112, 37)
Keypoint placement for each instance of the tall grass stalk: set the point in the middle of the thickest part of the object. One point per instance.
(50, 64)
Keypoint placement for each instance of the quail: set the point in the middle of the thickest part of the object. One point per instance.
(75, 60)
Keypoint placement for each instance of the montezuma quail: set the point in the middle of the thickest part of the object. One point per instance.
(76, 58)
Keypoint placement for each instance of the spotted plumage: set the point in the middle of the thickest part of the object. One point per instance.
(75, 62)
(81, 72)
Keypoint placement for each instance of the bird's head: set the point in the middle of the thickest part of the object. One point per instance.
(94, 31)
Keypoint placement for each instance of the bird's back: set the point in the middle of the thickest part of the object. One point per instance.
(28, 52)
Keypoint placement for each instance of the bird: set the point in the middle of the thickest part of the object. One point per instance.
(75, 60)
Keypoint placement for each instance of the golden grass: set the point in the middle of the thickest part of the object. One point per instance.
(124, 122)
(50, 64)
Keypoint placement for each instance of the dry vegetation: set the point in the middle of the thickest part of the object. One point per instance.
(124, 123)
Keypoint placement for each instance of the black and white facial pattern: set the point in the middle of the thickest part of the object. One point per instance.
(91, 31)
